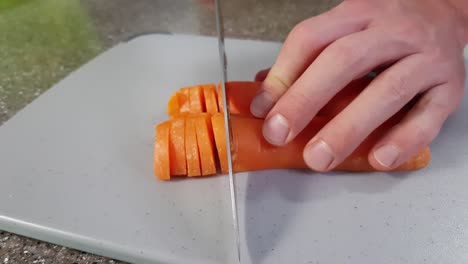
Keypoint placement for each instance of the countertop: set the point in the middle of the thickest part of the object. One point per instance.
(42, 41)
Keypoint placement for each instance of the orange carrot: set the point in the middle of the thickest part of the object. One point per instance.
(211, 101)
(161, 151)
(252, 152)
(173, 107)
(197, 102)
(177, 147)
(205, 142)
(240, 95)
(191, 148)
(195, 148)
(219, 132)
(184, 99)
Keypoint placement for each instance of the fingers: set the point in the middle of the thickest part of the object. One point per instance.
(335, 68)
(301, 47)
(417, 130)
(385, 96)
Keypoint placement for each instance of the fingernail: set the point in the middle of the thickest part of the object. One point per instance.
(276, 129)
(318, 155)
(261, 104)
(387, 155)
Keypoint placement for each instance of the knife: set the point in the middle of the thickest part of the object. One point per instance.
(227, 124)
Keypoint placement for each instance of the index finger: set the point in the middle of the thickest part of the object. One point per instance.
(302, 46)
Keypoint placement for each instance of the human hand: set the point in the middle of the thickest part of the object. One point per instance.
(420, 45)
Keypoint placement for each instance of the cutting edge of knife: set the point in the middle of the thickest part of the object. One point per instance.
(232, 182)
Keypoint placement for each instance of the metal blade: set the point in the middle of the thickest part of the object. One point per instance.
(227, 127)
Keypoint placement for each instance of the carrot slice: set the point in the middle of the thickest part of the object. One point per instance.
(211, 101)
(191, 148)
(205, 142)
(177, 147)
(184, 99)
(197, 101)
(161, 151)
(173, 107)
(219, 132)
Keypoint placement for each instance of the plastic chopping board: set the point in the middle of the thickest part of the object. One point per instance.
(76, 169)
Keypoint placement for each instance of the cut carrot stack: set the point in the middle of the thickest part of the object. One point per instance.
(206, 98)
(193, 142)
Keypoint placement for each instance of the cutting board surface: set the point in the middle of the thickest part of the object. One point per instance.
(76, 169)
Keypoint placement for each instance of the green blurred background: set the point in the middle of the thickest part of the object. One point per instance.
(41, 42)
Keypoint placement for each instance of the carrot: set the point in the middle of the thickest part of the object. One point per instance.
(197, 102)
(211, 101)
(191, 148)
(205, 142)
(184, 99)
(240, 95)
(177, 147)
(161, 151)
(173, 107)
(194, 149)
(219, 132)
(252, 152)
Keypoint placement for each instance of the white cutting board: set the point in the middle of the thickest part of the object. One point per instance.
(76, 169)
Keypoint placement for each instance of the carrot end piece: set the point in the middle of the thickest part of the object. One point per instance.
(173, 107)
(161, 151)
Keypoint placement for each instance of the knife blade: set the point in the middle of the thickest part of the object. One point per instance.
(227, 124)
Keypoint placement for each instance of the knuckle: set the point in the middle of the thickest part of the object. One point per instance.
(343, 138)
(398, 89)
(302, 30)
(450, 105)
(300, 101)
(444, 102)
(276, 86)
(345, 52)
(411, 31)
(425, 134)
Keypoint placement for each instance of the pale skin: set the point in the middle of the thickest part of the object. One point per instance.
(417, 45)
(420, 45)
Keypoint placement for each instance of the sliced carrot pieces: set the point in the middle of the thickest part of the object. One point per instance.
(173, 107)
(177, 147)
(205, 142)
(191, 148)
(184, 99)
(219, 132)
(197, 101)
(211, 100)
(161, 151)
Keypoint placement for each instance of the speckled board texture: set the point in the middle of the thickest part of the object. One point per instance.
(43, 41)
